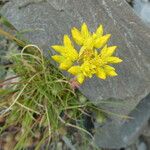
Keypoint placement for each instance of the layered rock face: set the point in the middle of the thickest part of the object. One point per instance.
(44, 22)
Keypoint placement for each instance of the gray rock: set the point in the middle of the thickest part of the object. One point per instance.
(142, 146)
(146, 131)
(142, 8)
(47, 22)
(120, 135)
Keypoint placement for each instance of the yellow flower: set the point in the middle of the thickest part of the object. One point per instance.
(83, 71)
(68, 54)
(93, 58)
(87, 40)
(102, 61)
(95, 63)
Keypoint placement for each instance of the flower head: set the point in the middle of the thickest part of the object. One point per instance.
(68, 54)
(94, 56)
(89, 40)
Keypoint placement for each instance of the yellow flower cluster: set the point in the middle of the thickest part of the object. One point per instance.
(94, 56)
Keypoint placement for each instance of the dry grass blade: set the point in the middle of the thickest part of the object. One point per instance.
(11, 37)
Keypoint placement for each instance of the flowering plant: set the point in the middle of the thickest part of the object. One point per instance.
(94, 56)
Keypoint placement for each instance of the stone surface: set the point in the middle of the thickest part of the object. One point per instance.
(47, 21)
(146, 135)
(142, 8)
(142, 146)
(114, 135)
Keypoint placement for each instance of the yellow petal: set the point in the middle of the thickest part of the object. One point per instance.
(107, 51)
(101, 73)
(67, 41)
(72, 54)
(65, 65)
(103, 51)
(80, 78)
(99, 31)
(111, 73)
(107, 67)
(100, 42)
(77, 37)
(95, 53)
(84, 31)
(94, 36)
(58, 58)
(111, 50)
(113, 60)
(89, 43)
(74, 70)
(82, 49)
(58, 48)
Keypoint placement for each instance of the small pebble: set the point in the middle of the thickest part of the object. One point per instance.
(142, 146)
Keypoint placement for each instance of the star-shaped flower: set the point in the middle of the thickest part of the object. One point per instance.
(68, 54)
(93, 58)
(89, 40)
(98, 64)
